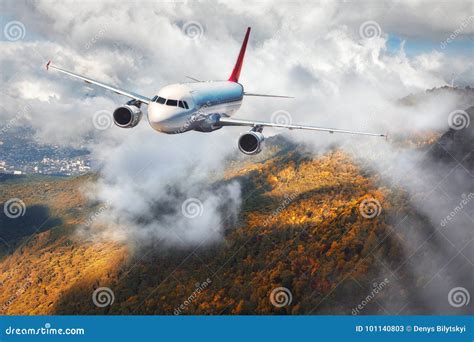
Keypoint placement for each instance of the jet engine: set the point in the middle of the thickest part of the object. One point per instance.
(251, 142)
(127, 116)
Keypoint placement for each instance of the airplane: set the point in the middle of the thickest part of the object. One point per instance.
(202, 106)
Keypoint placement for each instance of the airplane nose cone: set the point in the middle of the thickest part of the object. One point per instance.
(156, 116)
(158, 112)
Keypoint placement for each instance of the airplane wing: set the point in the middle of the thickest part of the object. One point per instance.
(238, 122)
(137, 97)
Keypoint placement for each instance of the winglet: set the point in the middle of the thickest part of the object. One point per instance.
(234, 77)
(47, 65)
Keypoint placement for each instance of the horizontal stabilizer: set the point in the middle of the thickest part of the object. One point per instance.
(266, 95)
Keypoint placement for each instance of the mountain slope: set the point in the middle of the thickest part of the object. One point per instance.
(325, 227)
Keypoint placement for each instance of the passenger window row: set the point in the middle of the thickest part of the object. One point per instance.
(169, 102)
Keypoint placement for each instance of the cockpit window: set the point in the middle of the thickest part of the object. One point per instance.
(169, 102)
(158, 99)
(183, 104)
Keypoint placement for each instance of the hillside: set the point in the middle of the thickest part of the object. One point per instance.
(303, 226)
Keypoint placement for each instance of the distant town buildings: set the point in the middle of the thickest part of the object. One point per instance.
(49, 166)
(20, 154)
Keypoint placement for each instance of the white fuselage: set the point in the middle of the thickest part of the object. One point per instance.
(178, 108)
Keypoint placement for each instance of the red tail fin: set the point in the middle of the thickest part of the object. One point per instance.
(234, 77)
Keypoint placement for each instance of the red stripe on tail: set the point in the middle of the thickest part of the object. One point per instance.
(234, 77)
